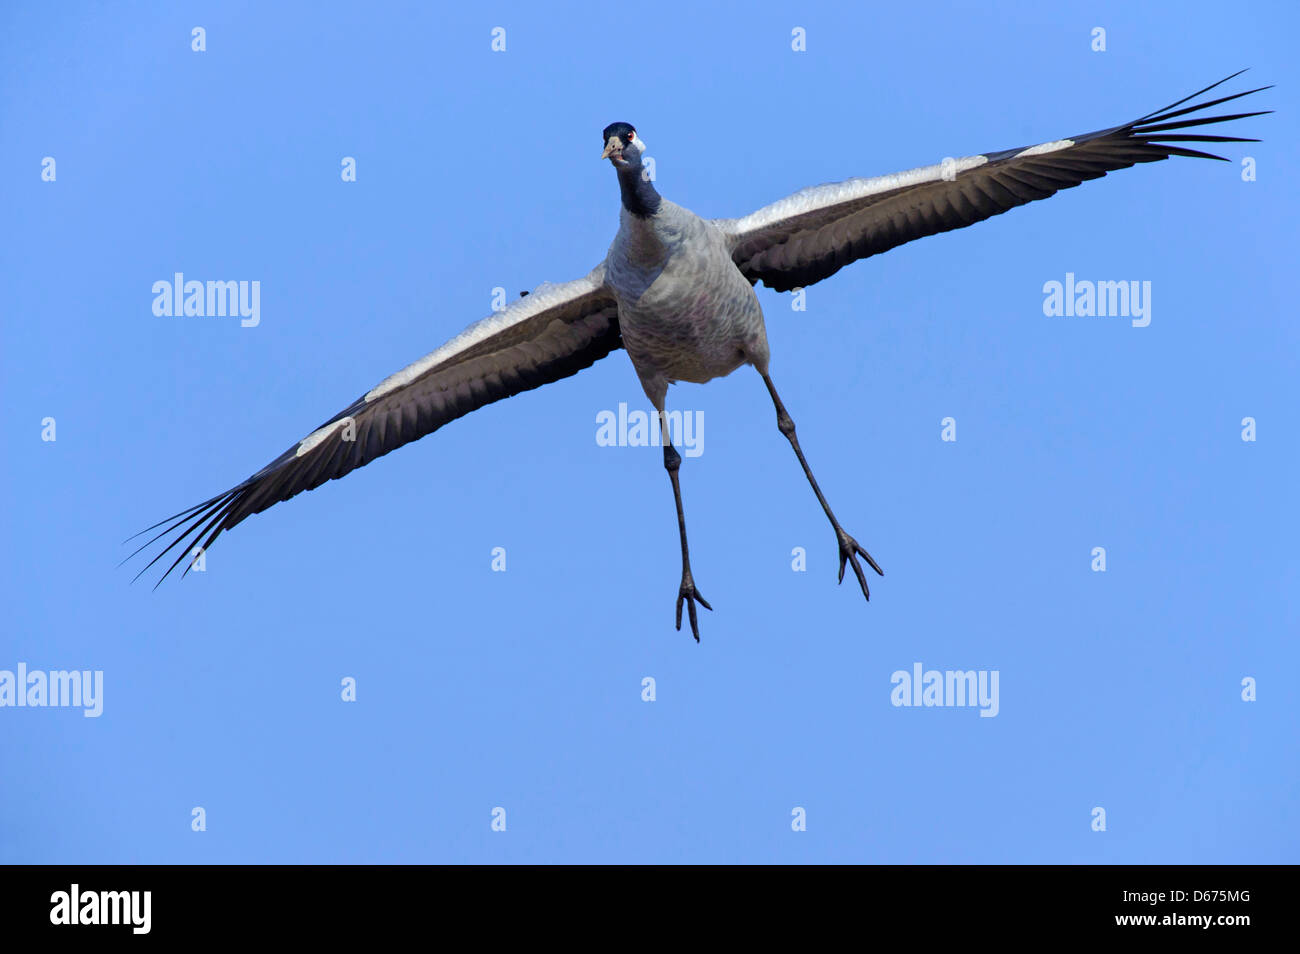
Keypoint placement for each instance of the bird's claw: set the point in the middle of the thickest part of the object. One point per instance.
(849, 551)
(690, 595)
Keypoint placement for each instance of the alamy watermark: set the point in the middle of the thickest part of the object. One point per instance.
(81, 689)
(194, 299)
(639, 428)
(1088, 299)
(946, 688)
(128, 908)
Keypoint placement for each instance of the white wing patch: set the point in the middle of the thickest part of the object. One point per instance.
(1045, 147)
(824, 196)
(312, 440)
(546, 295)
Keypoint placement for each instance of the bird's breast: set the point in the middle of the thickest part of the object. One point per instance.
(690, 316)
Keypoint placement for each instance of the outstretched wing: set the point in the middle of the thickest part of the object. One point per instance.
(550, 334)
(814, 233)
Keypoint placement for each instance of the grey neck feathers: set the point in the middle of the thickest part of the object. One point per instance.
(639, 195)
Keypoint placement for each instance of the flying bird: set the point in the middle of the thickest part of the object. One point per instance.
(677, 292)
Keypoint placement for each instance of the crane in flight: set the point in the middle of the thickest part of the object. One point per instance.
(677, 292)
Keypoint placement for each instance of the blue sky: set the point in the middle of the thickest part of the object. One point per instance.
(522, 689)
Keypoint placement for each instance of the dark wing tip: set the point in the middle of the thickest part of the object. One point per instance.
(1156, 131)
(208, 513)
(1201, 91)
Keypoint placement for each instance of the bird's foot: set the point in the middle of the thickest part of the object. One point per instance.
(849, 551)
(690, 594)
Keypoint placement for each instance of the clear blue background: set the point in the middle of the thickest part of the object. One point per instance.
(523, 689)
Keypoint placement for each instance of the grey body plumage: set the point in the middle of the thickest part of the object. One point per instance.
(677, 291)
(685, 310)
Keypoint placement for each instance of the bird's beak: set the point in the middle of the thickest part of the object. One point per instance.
(613, 149)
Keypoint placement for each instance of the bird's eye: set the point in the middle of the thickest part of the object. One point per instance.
(629, 136)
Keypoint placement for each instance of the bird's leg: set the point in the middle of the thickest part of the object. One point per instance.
(849, 548)
(687, 591)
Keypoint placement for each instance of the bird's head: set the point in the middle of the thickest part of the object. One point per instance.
(623, 147)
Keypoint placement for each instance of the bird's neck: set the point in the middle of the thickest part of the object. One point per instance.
(639, 195)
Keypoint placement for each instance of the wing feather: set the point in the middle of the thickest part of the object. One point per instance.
(550, 334)
(812, 234)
